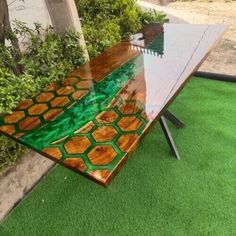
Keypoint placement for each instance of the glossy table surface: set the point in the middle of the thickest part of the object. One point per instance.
(93, 120)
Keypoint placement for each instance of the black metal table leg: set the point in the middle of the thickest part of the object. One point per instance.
(169, 137)
(173, 119)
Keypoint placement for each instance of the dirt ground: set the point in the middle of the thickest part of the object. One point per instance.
(214, 12)
(223, 57)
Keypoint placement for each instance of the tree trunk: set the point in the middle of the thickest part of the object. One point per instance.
(64, 15)
(5, 28)
(3, 16)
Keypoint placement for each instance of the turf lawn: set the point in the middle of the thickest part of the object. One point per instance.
(154, 194)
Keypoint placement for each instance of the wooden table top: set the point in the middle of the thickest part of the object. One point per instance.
(93, 120)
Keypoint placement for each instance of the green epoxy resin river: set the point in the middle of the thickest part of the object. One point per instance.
(96, 101)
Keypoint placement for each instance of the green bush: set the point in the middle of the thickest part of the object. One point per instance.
(14, 89)
(151, 16)
(105, 22)
(99, 40)
(10, 151)
(48, 57)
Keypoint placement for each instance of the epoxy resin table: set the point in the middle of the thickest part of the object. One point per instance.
(93, 120)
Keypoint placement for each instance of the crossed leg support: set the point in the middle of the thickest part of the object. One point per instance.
(178, 124)
(174, 120)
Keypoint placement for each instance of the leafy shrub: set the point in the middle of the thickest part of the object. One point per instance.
(105, 22)
(48, 57)
(51, 56)
(14, 89)
(10, 151)
(151, 16)
(98, 40)
(124, 12)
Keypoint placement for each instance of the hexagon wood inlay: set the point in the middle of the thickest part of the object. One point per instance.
(113, 103)
(107, 117)
(44, 97)
(102, 155)
(14, 117)
(29, 123)
(76, 163)
(129, 123)
(70, 81)
(100, 175)
(37, 109)
(59, 101)
(65, 90)
(19, 135)
(79, 94)
(129, 108)
(86, 128)
(77, 145)
(25, 104)
(84, 84)
(127, 142)
(104, 133)
(53, 152)
(52, 87)
(9, 129)
(52, 114)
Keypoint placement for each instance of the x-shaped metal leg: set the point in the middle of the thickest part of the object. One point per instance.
(178, 124)
(174, 120)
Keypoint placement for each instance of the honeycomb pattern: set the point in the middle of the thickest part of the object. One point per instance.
(79, 94)
(86, 128)
(44, 107)
(70, 81)
(99, 146)
(59, 101)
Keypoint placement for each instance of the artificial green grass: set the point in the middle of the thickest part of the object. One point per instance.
(154, 194)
